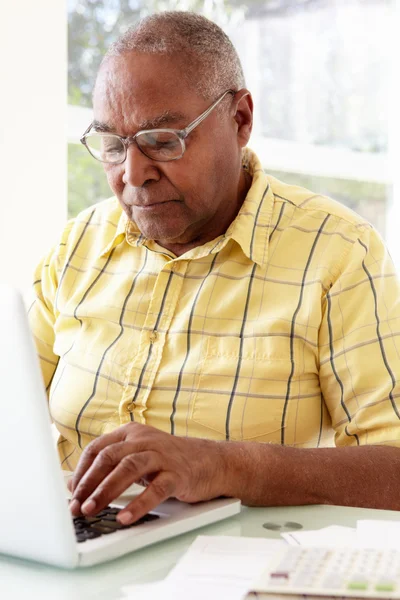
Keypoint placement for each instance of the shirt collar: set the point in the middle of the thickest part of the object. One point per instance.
(119, 235)
(249, 229)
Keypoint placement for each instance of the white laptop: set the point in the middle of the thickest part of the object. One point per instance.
(36, 523)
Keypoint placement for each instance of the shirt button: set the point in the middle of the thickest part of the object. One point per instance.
(130, 407)
(153, 335)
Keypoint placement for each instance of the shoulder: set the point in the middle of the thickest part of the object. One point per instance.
(93, 228)
(307, 205)
(105, 213)
(336, 234)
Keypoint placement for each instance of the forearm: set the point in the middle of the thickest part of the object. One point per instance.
(272, 475)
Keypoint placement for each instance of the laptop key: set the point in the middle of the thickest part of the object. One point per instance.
(102, 528)
(82, 536)
(90, 520)
(109, 510)
(150, 517)
(104, 523)
(110, 520)
(108, 523)
(91, 535)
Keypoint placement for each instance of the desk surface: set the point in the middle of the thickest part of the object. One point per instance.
(22, 579)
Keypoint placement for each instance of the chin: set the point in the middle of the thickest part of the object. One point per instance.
(162, 236)
(158, 231)
(159, 227)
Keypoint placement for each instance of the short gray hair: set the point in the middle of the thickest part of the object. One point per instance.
(214, 65)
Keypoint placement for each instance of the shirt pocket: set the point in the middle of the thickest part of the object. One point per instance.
(242, 388)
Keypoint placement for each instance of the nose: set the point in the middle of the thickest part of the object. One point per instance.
(138, 168)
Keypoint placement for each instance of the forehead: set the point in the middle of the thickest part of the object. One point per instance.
(134, 88)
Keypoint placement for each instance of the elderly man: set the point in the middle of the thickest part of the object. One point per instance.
(208, 329)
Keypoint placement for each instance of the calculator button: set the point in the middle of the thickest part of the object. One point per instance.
(385, 586)
(357, 584)
(278, 579)
(304, 579)
(332, 581)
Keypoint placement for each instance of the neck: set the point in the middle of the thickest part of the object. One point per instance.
(221, 222)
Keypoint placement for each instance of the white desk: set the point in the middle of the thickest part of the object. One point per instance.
(21, 579)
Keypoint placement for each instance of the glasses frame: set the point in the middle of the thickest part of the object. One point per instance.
(182, 134)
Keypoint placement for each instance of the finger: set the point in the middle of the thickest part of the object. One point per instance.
(91, 451)
(162, 487)
(104, 463)
(130, 469)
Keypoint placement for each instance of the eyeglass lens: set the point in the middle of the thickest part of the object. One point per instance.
(159, 145)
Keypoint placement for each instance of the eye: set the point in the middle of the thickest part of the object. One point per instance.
(160, 144)
(111, 144)
(106, 148)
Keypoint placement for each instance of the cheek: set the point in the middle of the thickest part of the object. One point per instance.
(114, 178)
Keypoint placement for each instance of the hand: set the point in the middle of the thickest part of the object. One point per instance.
(188, 469)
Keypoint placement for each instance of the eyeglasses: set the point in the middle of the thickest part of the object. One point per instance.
(158, 144)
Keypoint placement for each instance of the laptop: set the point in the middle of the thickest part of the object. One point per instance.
(36, 522)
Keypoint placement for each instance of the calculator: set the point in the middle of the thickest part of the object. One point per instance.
(344, 572)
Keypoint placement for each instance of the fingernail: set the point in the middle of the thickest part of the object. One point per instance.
(88, 506)
(74, 506)
(125, 518)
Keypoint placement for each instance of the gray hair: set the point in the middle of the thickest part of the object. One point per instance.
(213, 63)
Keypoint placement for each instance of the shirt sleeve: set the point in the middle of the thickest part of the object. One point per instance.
(42, 312)
(359, 346)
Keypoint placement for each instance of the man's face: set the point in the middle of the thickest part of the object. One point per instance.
(182, 202)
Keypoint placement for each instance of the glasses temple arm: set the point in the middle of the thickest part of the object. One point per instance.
(87, 131)
(205, 114)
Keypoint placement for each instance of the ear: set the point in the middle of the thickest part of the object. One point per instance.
(243, 116)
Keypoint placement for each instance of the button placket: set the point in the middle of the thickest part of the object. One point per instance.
(150, 335)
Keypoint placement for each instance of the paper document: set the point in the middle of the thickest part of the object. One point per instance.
(224, 567)
(329, 537)
(184, 590)
(214, 567)
(367, 534)
(379, 534)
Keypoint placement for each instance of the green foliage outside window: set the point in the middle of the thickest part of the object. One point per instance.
(87, 183)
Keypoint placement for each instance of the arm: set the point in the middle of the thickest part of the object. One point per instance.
(258, 474)
(359, 358)
(41, 316)
(359, 347)
(367, 476)
(42, 310)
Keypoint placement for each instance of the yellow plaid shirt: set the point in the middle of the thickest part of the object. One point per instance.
(284, 330)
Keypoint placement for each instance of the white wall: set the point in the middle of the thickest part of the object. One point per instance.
(33, 165)
(393, 215)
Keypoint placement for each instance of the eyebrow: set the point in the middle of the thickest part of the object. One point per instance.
(167, 118)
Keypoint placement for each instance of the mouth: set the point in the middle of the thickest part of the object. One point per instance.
(153, 205)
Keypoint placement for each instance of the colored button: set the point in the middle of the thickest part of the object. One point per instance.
(357, 585)
(153, 336)
(279, 575)
(385, 586)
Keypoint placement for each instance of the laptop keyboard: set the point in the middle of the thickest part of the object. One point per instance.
(88, 528)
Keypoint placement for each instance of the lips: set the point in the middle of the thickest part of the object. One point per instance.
(153, 204)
